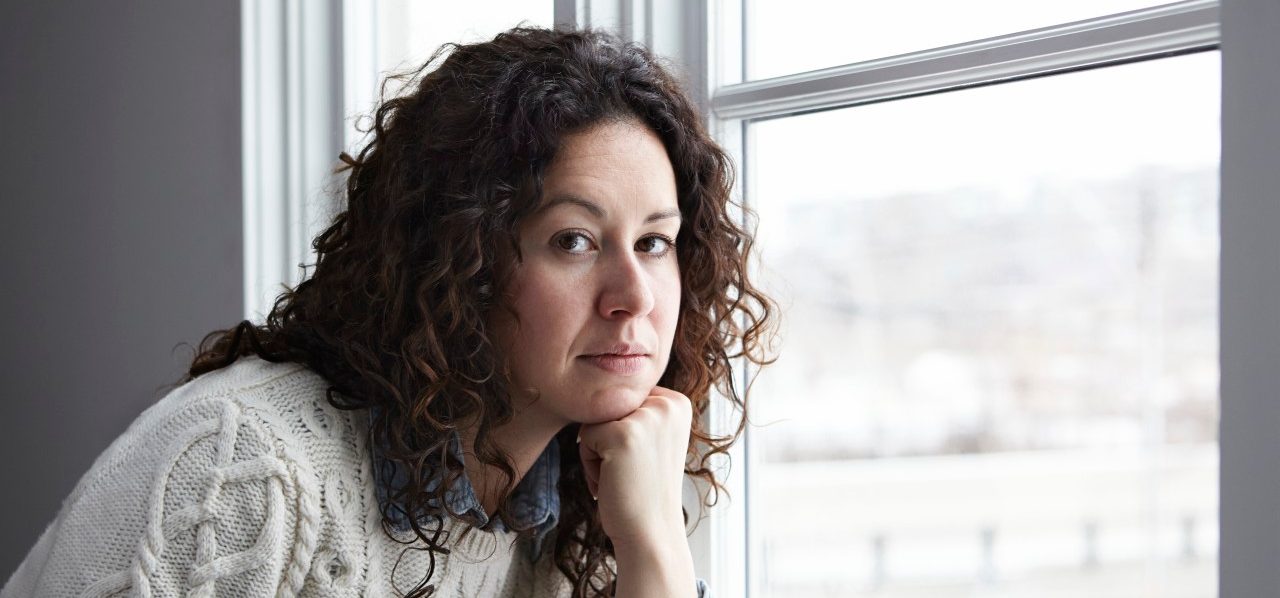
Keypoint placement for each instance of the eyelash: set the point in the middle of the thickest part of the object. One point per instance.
(670, 243)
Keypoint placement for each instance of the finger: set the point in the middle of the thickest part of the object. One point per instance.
(663, 393)
(672, 399)
(667, 392)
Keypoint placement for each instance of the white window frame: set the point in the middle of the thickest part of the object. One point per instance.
(292, 106)
(297, 89)
(1107, 40)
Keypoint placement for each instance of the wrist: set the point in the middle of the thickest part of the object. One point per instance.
(651, 538)
(656, 565)
(650, 545)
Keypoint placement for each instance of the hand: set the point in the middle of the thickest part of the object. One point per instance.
(635, 468)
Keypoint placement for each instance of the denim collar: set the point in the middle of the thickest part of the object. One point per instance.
(533, 504)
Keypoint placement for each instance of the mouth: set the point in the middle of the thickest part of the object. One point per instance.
(623, 349)
(621, 358)
(624, 364)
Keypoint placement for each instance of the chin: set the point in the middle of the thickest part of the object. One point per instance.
(611, 404)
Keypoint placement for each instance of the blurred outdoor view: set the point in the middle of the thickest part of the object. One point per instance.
(999, 365)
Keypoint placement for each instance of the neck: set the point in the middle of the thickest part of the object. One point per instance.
(523, 439)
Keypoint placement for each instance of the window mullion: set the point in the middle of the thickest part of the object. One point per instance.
(1162, 30)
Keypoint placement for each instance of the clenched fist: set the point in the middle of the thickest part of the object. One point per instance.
(635, 468)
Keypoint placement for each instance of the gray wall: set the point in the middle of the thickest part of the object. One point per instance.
(120, 178)
(1250, 432)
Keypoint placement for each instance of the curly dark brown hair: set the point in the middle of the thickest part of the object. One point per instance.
(394, 315)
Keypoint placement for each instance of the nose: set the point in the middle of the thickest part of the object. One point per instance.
(625, 292)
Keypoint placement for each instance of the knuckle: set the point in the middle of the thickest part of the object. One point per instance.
(629, 436)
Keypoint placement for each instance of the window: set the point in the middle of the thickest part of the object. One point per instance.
(1000, 366)
(998, 268)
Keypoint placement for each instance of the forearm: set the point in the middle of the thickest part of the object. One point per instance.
(660, 568)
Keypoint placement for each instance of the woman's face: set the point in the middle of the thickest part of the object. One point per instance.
(598, 289)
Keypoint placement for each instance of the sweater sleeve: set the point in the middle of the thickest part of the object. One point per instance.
(204, 501)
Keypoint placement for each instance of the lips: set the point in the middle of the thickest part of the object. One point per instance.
(620, 349)
(623, 359)
(623, 365)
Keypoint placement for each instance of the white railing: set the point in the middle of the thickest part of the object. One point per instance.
(986, 520)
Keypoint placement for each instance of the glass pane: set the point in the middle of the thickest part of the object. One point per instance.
(999, 362)
(804, 35)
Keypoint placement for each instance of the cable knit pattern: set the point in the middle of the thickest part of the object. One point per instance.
(247, 482)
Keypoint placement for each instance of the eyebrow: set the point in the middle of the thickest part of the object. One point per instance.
(598, 211)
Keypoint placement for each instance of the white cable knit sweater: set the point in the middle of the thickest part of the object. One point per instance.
(246, 482)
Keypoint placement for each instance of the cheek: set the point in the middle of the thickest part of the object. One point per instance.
(667, 307)
(545, 308)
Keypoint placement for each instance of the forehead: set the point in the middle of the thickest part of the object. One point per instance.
(620, 166)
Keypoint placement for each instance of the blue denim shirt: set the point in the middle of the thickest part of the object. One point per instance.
(534, 503)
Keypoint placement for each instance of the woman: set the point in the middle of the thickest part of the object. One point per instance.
(491, 384)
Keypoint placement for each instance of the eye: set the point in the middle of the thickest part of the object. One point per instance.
(655, 245)
(572, 241)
